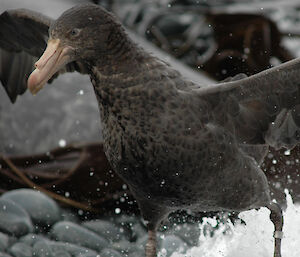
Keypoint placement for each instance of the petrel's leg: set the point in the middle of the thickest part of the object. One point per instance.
(153, 214)
(151, 243)
(277, 219)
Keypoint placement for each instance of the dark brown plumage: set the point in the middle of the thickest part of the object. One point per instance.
(178, 145)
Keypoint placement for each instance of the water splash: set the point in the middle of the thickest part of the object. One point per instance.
(253, 239)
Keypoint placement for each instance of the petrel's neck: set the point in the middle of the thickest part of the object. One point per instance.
(122, 56)
(124, 66)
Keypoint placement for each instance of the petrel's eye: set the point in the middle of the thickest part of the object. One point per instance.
(75, 32)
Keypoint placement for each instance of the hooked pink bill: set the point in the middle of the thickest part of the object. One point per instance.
(52, 60)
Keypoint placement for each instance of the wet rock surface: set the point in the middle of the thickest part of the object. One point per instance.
(14, 220)
(32, 224)
(40, 208)
(76, 234)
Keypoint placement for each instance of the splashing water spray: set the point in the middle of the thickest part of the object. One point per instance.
(253, 239)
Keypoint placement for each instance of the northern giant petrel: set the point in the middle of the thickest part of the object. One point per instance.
(177, 144)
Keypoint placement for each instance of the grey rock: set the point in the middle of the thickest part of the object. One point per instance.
(14, 219)
(190, 233)
(124, 246)
(68, 215)
(62, 254)
(126, 219)
(4, 241)
(137, 253)
(73, 233)
(44, 249)
(4, 255)
(110, 253)
(105, 229)
(133, 229)
(62, 249)
(171, 244)
(30, 239)
(89, 254)
(41, 208)
(138, 230)
(20, 250)
(141, 242)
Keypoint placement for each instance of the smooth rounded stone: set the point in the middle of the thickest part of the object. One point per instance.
(30, 239)
(4, 241)
(143, 240)
(41, 208)
(20, 250)
(14, 220)
(67, 215)
(126, 219)
(88, 255)
(133, 228)
(137, 253)
(62, 254)
(124, 246)
(105, 229)
(107, 252)
(62, 249)
(138, 230)
(44, 249)
(73, 233)
(171, 244)
(4, 255)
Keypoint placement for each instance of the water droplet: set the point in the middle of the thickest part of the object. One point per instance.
(162, 183)
(117, 211)
(287, 152)
(277, 185)
(62, 143)
(80, 92)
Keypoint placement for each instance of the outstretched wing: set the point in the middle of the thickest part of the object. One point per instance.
(261, 109)
(23, 38)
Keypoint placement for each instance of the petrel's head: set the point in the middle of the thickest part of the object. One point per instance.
(85, 33)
